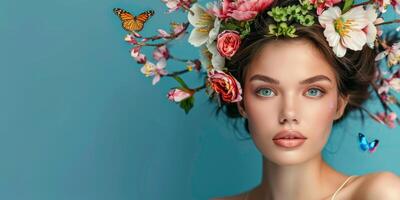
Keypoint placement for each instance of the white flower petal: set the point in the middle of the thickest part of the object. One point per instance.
(200, 18)
(371, 34)
(329, 15)
(331, 35)
(359, 17)
(217, 61)
(354, 40)
(339, 50)
(371, 13)
(198, 36)
(214, 31)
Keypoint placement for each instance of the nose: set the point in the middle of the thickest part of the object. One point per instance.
(288, 111)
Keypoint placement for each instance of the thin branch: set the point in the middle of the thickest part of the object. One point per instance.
(179, 59)
(170, 38)
(389, 22)
(200, 88)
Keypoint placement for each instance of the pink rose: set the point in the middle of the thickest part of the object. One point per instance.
(241, 10)
(225, 85)
(178, 95)
(323, 4)
(228, 43)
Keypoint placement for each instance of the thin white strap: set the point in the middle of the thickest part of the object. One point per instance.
(333, 197)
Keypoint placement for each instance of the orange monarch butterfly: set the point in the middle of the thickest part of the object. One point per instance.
(130, 22)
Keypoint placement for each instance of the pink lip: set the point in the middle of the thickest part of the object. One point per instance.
(289, 133)
(296, 139)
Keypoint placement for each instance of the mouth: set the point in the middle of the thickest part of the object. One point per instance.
(289, 134)
(289, 138)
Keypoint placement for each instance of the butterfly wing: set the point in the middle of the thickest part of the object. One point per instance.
(363, 142)
(142, 18)
(126, 18)
(372, 146)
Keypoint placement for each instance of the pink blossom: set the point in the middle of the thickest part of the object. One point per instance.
(240, 10)
(130, 39)
(163, 33)
(396, 5)
(393, 54)
(176, 28)
(149, 69)
(139, 57)
(174, 5)
(323, 4)
(178, 95)
(386, 119)
(161, 52)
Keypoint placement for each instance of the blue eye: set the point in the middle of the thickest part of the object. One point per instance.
(267, 92)
(262, 91)
(316, 90)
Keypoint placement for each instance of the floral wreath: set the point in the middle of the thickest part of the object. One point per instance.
(219, 29)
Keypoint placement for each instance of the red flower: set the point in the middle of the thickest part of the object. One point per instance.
(225, 85)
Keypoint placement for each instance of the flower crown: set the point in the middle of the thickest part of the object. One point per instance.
(219, 29)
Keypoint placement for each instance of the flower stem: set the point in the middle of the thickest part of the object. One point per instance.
(179, 59)
(173, 36)
(188, 9)
(200, 88)
(177, 73)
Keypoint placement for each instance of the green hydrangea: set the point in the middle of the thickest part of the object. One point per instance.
(282, 29)
(285, 16)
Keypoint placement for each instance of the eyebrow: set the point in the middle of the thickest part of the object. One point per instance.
(303, 82)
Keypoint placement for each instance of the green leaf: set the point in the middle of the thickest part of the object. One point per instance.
(347, 5)
(180, 81)
(187, 104)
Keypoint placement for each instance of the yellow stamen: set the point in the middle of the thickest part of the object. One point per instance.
(342, 26)
(148, 69)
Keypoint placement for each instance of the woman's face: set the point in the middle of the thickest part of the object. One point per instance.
(308, 107)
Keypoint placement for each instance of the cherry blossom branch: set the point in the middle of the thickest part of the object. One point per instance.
(188, 9)
(179, 59)
(389, 22)
(173, 36)
(176, 73)
(383, 43)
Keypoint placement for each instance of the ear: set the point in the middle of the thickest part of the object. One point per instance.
(342, 103)
(240, 107)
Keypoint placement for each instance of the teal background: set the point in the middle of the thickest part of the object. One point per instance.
(79, 121)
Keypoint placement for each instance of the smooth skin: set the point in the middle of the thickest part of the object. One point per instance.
(310, 108)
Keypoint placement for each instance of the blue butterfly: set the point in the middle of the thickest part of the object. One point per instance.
(365, 145)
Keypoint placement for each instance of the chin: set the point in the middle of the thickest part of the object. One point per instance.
(286, 158)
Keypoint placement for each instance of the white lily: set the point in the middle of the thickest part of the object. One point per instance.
(217, 61)
(203, 22)
(344, 31)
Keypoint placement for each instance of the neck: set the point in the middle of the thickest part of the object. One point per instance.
(298, 181)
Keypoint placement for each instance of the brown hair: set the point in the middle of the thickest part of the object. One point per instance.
(354, 72)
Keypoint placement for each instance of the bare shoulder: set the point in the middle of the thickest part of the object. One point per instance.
(379, 185)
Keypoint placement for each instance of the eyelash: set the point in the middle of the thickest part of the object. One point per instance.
(320, 90)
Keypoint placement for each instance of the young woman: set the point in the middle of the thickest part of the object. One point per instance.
(297, 88)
